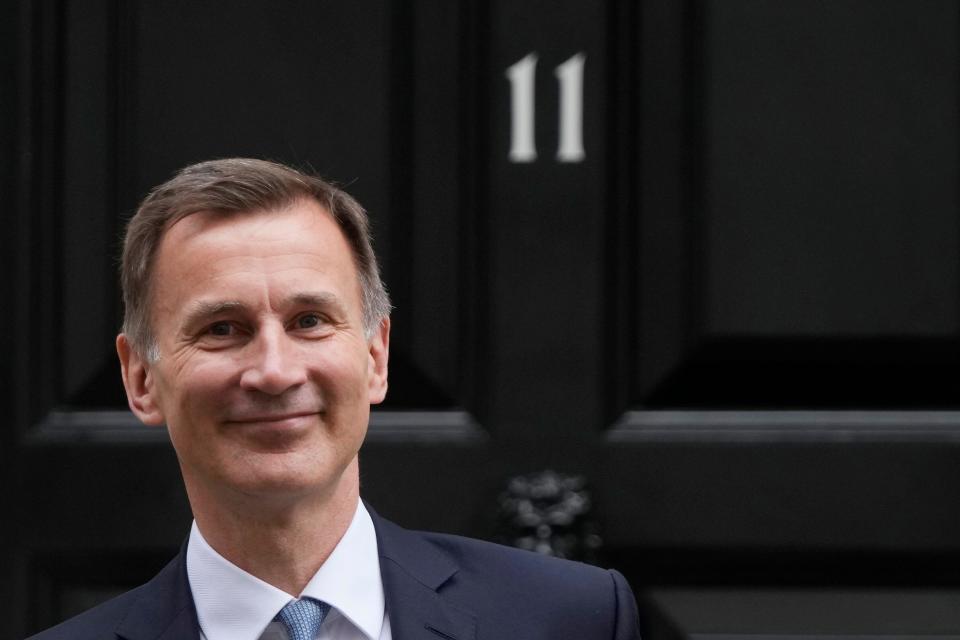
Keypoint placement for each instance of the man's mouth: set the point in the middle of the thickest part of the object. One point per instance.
(272, 417)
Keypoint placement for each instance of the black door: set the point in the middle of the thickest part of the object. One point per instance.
(701, 254)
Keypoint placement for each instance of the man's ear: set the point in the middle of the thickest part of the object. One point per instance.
(138, 381)
(379, 349)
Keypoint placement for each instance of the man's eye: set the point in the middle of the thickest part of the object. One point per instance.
(220, 329)
(308, 321)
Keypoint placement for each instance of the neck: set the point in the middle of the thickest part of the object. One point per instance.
(280, 540)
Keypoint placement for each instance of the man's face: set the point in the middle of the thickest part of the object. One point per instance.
(265, 376)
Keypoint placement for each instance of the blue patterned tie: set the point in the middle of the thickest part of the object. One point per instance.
(303, 618)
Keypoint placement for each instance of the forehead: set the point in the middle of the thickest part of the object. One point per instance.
(306, 213)
(204, 244)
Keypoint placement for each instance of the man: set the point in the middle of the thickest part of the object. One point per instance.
(257, 330)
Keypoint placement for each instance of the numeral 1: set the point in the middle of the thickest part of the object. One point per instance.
(522, 75)
(570, 75)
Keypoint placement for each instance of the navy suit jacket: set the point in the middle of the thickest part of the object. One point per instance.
(437, 587)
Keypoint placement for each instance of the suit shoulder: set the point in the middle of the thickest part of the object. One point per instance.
(164, 597)
(487, 559)
(97, 623)
(561, 598)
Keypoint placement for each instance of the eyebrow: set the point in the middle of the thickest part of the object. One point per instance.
(203, 310)
(314, 300)
(330, 302)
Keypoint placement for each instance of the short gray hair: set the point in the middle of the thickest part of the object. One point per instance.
(236, 185)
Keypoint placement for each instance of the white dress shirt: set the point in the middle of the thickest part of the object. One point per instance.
(235, 605)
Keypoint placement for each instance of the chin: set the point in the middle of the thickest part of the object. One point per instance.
(276, 488)
(278, 478)
(279, 475)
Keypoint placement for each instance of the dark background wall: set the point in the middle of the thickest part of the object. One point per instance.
(735, 314)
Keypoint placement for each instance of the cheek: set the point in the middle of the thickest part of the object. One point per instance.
(197, 388)
(344, 374)
(194, 408)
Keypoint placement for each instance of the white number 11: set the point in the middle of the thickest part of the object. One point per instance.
(522, 77)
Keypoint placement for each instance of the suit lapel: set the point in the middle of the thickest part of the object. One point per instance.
(413, 571)
(164, 607)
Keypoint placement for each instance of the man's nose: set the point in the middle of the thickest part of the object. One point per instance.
(274, 366)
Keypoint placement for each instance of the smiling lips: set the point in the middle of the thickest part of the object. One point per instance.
(273, 418)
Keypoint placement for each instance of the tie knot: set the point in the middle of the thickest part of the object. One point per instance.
(303, 618)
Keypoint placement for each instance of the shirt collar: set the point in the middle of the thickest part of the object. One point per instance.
(235, 605)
